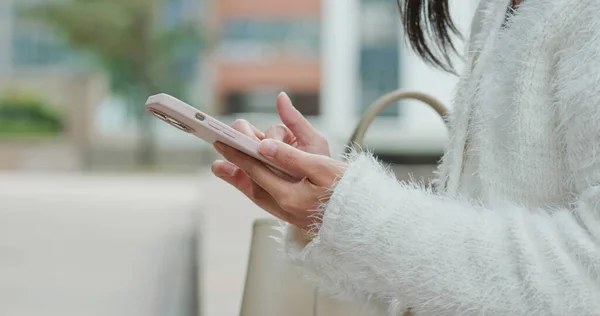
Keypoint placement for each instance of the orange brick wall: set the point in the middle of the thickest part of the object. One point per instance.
(267, 8)
(297, 75)
(289, 74)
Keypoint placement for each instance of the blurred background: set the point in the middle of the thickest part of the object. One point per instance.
(96, 196)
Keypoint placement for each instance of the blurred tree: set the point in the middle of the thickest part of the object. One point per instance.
(142, 51)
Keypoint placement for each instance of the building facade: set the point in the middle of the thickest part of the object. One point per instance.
(263, 47)
(334, 57)
(358, 58)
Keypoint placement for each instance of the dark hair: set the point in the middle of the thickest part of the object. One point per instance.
(428, 22)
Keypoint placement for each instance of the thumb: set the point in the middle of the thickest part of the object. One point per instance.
(294, 120)
(296, 162)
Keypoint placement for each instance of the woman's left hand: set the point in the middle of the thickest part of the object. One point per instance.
(297, 200)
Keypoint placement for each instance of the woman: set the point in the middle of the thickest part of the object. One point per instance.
(513, 227)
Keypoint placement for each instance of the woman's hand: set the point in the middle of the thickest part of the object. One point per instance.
(296, 131)
(292, 202)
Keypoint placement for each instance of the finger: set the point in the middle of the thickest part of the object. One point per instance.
(294, 120)
(256, 170)
(320, 170)
(248, 129)
(239, 180)
(281, 133)
(224, 169)
(242, 182)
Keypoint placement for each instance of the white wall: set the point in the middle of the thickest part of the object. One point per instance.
(339, 64)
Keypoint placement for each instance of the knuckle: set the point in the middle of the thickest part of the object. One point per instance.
(280, 127)
(289, 203)
(288, 160)
(239, 124)
(319, 167)
(276, 132)
(270, 132)
(321, 140)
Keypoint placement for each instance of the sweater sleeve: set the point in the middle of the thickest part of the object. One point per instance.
(400, 245)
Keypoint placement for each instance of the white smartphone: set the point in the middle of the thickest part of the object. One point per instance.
(190, 120)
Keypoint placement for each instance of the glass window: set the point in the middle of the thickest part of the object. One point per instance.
(173, 12)
(261, 101)
(379, 53)
(379, 75)
(34, 44)
(248, 39)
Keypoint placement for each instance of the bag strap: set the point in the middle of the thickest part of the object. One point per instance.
(358, 136)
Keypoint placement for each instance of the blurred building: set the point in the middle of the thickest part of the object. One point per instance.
(262, 48)
(364, 56)
(266, 46)
(334, 58)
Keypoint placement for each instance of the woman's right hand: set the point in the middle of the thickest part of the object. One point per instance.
(295, 131)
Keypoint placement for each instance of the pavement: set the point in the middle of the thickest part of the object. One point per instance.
(226, 218)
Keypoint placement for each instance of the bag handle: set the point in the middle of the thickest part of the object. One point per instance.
(358, 136)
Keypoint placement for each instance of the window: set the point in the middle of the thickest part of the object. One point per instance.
(263, 101)
(175, 12)
(378, 75)
(248, 39)
(34, 44)
(379, 53)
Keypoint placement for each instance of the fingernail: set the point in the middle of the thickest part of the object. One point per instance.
(282, 94)
(229, 169)
(218, 147)
(268, 148)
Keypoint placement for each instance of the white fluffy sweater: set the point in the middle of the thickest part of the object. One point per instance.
(514, 227)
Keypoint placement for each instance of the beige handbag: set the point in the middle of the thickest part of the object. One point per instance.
(273, 287)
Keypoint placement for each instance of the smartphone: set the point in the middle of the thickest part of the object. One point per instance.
(190, 120)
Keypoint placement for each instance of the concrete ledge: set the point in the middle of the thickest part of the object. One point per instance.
(39, 155)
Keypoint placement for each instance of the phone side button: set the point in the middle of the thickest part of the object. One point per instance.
(214, 125)
(229, 133)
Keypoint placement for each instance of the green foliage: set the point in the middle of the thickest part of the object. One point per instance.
(128, 39)
(25, 114)
(131, 42)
